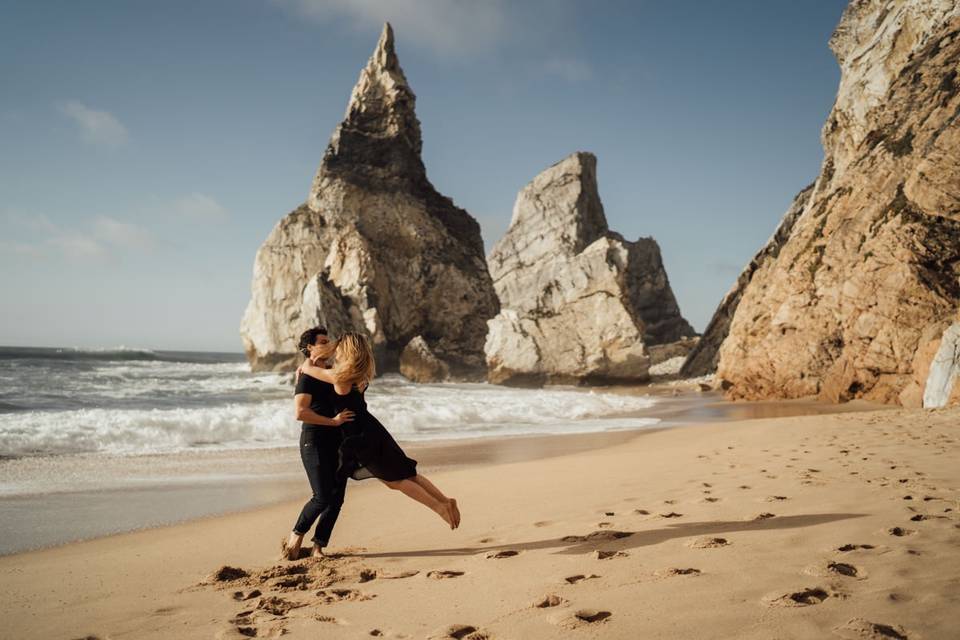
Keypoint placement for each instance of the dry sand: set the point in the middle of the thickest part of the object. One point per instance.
(823, 526)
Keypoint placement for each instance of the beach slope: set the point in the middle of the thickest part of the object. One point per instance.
(839, 525)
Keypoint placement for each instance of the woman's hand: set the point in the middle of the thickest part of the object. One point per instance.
(344, 416)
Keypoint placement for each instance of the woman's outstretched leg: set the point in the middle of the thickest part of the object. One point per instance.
(420, 494)
(436, 493)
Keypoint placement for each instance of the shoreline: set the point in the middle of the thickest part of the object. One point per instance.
(184, 487)
(787, 496)
(187, 486)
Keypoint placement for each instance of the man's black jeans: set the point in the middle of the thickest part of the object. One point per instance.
(318, 451)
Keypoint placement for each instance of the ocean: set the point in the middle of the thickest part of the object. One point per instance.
(94, 442)
(134, 401)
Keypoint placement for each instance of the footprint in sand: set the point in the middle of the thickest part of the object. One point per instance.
(246, 595)
(278, 606)
(606, 555)
(710, 499)
(672, 514)
(366, 575)
(676, 571)
(292, 583)
(237, 633)
(228, 574)
(862, 629)
(330, 619)
(542, 523)
(844, 569)
(549, 600)
(486, 540)
(642, 512)
(900, 531)
(329, 596)
(591, 615)
(763, 516)
(601, 536)
(398, 575)
(609, 513)
(444, 574)
(854, 547)
(708, 543)
(803, 598)
(506, 553)
(776, 498)
(579, 578)
(459, 632)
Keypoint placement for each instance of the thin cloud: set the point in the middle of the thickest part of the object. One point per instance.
(449, 27)
(570, 69)
(201, 207)
(75, 245)
(120, 234)
(103, 236)
(96, 127)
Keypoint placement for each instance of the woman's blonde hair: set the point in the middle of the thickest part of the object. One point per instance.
(354, 360)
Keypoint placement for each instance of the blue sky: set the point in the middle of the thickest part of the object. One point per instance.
(148, 148)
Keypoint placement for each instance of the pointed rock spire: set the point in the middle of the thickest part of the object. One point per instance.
(375, 248)
(379, 139)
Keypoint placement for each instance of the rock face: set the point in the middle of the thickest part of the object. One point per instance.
(578, 301)
(859, 299)
(375, 248)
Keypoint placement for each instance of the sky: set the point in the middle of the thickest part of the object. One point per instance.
(148, 148)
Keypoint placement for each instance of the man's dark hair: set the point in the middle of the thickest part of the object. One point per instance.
(309, 338)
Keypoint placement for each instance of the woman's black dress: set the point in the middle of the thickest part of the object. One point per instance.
(368, 450)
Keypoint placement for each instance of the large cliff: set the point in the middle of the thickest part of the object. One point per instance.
(579, 302)
(375, 247)
(860, 299)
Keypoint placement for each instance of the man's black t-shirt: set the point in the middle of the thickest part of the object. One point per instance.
(321, 400)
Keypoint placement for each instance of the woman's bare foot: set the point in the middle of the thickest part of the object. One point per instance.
(456, 512)
(446, 512)
(290, 547)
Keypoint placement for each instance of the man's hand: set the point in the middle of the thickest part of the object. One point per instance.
(344, 416)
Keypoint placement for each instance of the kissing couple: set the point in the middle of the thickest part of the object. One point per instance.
(341, 439)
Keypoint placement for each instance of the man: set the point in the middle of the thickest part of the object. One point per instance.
(320, 437)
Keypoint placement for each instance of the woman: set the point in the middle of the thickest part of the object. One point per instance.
(367, 449)
(320, 438)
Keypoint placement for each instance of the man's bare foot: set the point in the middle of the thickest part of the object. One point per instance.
(317, 552)
(456, 512)
(290, 547)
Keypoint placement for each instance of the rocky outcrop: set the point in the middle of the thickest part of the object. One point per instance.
(375, 248)
(579, 303)
(859, 300)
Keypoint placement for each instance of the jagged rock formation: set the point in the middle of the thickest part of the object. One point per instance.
(860, 298)
(375, 248)
(578, 301)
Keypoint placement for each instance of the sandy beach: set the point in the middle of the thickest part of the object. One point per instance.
(842, 525)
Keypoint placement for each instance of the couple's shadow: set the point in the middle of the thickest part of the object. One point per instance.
(621, 539)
